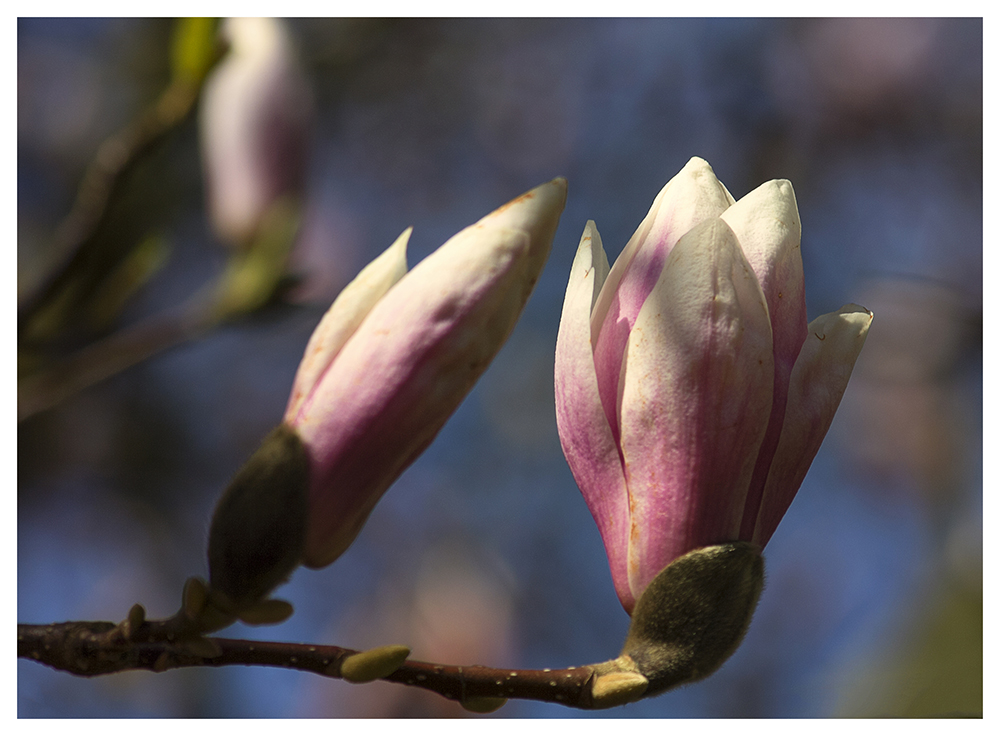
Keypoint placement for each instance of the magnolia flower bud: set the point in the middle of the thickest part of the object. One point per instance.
(256, 116)
(691, 396)
(387, 365)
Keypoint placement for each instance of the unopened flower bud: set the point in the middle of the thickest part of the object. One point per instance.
(388, 364)
(397, 353)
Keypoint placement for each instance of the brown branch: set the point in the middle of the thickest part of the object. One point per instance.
(687, 622)
(89, 648)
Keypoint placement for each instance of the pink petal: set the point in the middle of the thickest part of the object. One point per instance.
(343, 317)
(412, 361)
(696, 395)
(818, 382)
(767, 224)
(692, 196)
(584, 431)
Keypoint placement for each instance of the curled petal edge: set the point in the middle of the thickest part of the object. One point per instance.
(817, 385)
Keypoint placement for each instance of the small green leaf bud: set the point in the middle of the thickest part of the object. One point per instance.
(694, 613)
(373, 664)
(206, 609)
(483, 704)
(136, 618)
(195, 597)
(269, 611)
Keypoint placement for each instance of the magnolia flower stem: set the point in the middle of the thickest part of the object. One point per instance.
(89, 648)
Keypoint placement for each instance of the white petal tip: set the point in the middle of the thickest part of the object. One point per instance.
(590, 256)
(781, 187)
(857, 316)
(842, 333)
(857, 308)
(590, 235)
(538, 208)
(398, 246)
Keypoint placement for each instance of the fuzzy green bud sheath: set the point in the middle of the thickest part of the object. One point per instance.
(392, 359)
(691, 395)
(692, 616)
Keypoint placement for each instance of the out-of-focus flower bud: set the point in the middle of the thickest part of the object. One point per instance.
(691, 396)
(256, 118)
(387, 365)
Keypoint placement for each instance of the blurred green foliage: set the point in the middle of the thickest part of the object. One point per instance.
(252, 277)
(936, 669)
(194, 48)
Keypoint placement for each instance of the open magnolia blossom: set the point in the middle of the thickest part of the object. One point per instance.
(387, 365)
(691, 395)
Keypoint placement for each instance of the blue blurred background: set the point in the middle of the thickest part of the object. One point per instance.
(483, 551)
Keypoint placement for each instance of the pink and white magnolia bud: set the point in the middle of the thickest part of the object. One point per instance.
(387, 365)
(256, 118)
(396, 355)
(691, 396)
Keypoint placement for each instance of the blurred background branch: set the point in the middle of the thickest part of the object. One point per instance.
(76, 244)
(91, 273)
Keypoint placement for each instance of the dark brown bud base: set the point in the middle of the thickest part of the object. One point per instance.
(693, 615)
(258, 529)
